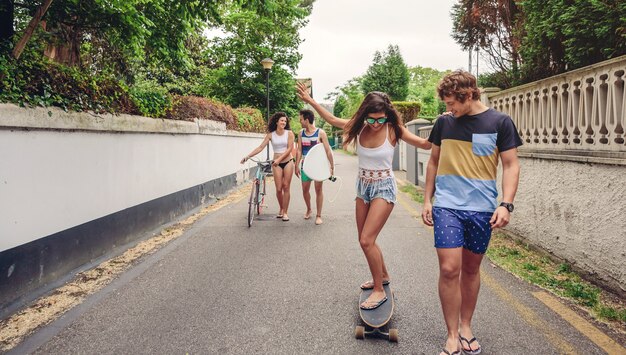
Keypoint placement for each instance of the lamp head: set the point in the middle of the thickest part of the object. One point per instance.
(267, 64)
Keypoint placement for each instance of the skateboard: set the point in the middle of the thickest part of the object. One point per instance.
(376, 319)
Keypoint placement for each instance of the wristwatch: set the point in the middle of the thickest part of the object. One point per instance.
(508, 206)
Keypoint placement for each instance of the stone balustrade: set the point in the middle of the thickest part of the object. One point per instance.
(581, 112)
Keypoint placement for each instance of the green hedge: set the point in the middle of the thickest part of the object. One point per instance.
(35, 81)
(408, 109)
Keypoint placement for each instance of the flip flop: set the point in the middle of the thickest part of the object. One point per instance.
(469, 342)
(285, 219)
(385, 283)
(458, 352)
(279, 216)
(376, 305)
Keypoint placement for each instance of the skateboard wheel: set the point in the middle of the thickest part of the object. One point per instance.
(359, 332)
(393, 335)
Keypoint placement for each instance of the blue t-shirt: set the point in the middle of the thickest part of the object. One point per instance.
(470, 147)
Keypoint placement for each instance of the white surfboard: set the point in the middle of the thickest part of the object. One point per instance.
(316, 165)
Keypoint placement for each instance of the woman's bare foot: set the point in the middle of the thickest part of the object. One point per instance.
(367, 285)
(374, 301)
(318, 220)
(307, 215)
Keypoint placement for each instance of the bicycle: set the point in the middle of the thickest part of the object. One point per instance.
(257, 192)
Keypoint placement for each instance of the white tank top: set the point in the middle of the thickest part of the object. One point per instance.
(279, 143)
(379, 158)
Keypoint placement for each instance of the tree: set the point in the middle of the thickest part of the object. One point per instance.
(423, 88)
(348, 98)
(388, 73)
(7, 9)
(568, 35)
(251, 34)
(494, 26)
(32, 25)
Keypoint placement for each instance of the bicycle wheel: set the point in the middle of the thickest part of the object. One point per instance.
(261, 196)
(252, 201)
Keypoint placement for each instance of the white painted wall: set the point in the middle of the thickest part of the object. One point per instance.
(52, 180)
(575, 211)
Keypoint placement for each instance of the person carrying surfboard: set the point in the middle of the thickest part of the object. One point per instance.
(376, 127)
(310, 136)
(281, 137)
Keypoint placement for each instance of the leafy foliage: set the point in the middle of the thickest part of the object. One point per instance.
(250, 120)
(189, 108)
(388, 73)
(141, 56)
(568, 35)
(348, 98)
(423, 88)
(250, 35)
(408, 110)
(529, 40)
(494, 26)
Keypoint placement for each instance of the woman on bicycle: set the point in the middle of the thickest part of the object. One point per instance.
(281, 137)
(376, 127)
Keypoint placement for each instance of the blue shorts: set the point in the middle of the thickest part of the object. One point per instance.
(368, 190)
(458, 228)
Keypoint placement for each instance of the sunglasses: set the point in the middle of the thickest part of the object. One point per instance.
(371, 120)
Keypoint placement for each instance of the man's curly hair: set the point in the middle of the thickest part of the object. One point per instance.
(460, 84)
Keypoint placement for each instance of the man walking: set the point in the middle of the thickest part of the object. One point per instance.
(461, 174)
(310, 136)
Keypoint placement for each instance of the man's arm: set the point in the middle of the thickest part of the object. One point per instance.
(510, 180)
(329, 152)
(298, 154)
(429, 190)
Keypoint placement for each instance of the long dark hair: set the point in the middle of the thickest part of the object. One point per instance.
(373, 102)
(273, 124)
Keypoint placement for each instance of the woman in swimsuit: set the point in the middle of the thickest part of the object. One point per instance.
(281, 137)
(376, 127)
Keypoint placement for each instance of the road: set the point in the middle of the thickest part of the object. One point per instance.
(292, 288)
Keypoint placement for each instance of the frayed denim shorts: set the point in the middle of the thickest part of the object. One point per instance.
(370, 189)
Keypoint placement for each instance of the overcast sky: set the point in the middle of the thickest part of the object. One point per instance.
(342, 36)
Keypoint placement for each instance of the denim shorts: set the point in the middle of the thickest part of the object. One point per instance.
(458, 228)
(368, 190)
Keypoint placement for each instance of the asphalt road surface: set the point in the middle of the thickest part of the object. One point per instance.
(292, 288)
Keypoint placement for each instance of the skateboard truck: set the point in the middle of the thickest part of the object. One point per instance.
(360, 332)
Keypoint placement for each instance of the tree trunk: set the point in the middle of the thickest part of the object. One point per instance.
(65, 49)
(7, 8)
(19, 47)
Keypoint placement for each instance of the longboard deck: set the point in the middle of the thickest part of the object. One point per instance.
(380, 316)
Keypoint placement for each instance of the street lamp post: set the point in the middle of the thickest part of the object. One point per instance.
(267, 66)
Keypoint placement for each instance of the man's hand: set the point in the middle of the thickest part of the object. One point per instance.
(427, 214)
(243, 160)
(500, 218)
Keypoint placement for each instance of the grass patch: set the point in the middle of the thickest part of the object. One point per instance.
(558, 278)
(416, 194)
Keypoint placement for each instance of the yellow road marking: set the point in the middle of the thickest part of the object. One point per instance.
(557, 340)
(408, 207)
(594, 334)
